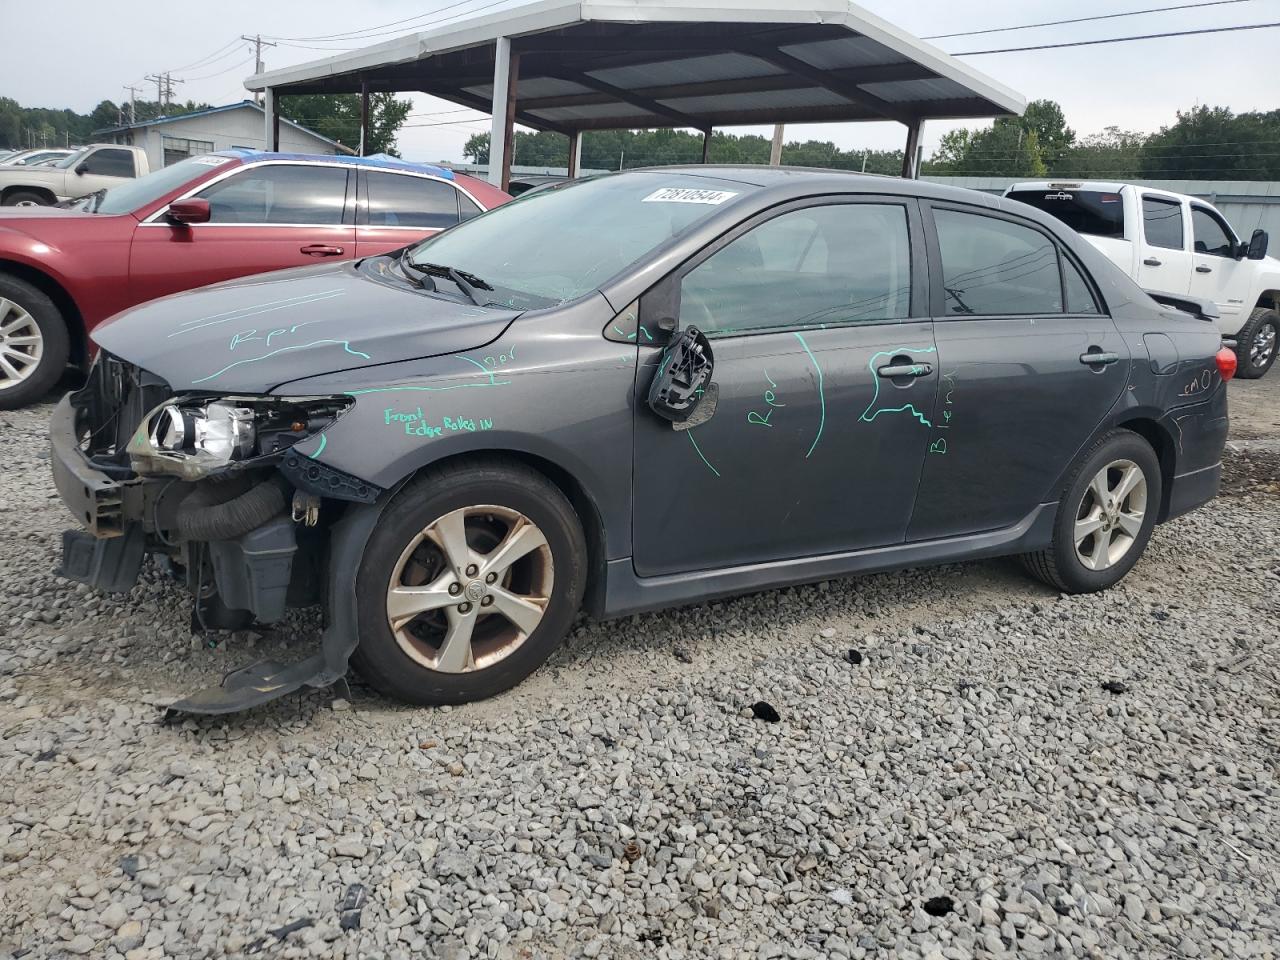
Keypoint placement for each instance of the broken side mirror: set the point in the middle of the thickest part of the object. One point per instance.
(683, 379)
(1258, 245)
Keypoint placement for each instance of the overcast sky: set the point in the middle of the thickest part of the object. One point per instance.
(95, 49)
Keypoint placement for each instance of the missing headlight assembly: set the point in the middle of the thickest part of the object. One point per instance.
(192, 438)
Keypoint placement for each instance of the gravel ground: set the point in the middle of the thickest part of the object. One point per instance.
(965, 764)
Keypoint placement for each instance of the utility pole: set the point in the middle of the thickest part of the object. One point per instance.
(164, 89)
(775, 151)
(258, 44)
(133, 104)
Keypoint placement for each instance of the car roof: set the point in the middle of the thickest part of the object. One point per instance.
(379, 161)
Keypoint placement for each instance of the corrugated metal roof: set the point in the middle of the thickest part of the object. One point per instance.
(595, 64)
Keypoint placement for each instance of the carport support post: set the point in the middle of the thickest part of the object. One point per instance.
(775, 151)
(271, 131)
(911, 155)
(706, 144)
(364, 118)
(506, 73)
(575, 153)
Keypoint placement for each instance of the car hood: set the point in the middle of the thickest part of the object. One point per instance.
(253, 334)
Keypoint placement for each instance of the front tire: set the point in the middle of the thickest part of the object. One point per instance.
(468, 584)
(26, 198)
(34, 344)
(1257, 344)
(1105, 516)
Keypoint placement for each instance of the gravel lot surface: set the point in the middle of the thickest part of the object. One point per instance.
(966, 764)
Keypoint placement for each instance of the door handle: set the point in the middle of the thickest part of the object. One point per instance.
(894, 370)
(1203, 269)
(1097, 358)
(1151, 262)
(320, 250)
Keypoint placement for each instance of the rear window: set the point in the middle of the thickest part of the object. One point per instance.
(1084, 211)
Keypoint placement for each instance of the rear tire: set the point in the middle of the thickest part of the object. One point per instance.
(1257, 344)
(1105, 517)
(26, 198)
(34, 343)
(483, 622)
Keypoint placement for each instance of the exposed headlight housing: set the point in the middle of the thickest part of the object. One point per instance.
(191, 438)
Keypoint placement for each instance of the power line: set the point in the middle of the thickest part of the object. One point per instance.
(359, 34)
(211, 58)
(1145, 36)
(234, 66)
(1102, 16)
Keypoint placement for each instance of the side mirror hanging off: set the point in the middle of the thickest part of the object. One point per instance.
(1258, 245)
(683, 376)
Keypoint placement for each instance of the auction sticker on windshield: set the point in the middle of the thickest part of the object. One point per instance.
(688, 195)
(211, 161)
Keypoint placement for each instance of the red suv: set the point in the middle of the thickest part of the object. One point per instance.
(206, 219)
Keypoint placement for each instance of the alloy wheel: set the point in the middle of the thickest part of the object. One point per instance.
(1263, 346)
(1110, 515)
(21, 344)
(470, 588)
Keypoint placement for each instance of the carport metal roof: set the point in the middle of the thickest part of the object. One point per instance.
(575, 65)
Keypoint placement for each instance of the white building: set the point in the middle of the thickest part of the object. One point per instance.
(167, 140)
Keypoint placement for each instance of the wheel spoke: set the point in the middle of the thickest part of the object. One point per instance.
(450, 534)
(524, 612)
(1100, 559)
(20, 341)
(522, 540)
(455, 650)
(1089, 525)
(9, 370)
(1129, 481)
(1130, 523)
(1099, 487)
(405, 603)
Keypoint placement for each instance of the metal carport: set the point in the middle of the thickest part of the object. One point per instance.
(577, 65)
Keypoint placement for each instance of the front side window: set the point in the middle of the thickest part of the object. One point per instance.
(993, 267)
(1210, 233)
(838, 264)
(1162, 221)
(279, 194)
(400, 200)
(110, 163)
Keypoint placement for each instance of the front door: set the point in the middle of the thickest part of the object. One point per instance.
(263, 217)
(1217, 275)
(824, 388)
(1029, 367)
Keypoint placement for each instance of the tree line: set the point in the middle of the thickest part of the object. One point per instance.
(336, 117)
(1204, 143)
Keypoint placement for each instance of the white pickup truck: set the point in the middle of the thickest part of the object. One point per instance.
(1180, 245)
(89, 169)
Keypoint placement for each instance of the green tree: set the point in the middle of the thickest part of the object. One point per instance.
(337, 117)
(1113, 154)
(1213, 143)
(1045, 119)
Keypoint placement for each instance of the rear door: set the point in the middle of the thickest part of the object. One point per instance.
(1217, 275)
(825, 382)
(396, 209)
(263, 217)
(1029, 366)
(1164, 261)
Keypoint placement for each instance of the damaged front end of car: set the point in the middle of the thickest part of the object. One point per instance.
(218, 490)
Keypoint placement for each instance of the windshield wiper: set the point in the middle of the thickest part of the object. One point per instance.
(468, 283)
(415, 276)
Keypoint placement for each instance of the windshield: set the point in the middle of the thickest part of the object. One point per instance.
(128, 197)
(555, 245)
(1084, 211)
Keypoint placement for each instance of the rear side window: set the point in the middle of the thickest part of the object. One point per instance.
(1080, 297)
(1162, 222)
(1084, 211)
(993, 267)
(397, 200)
(279, 194)
(467, 208)
(1210, 234)
(110, 163)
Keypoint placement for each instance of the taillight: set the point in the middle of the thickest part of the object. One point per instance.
(1226, 363)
